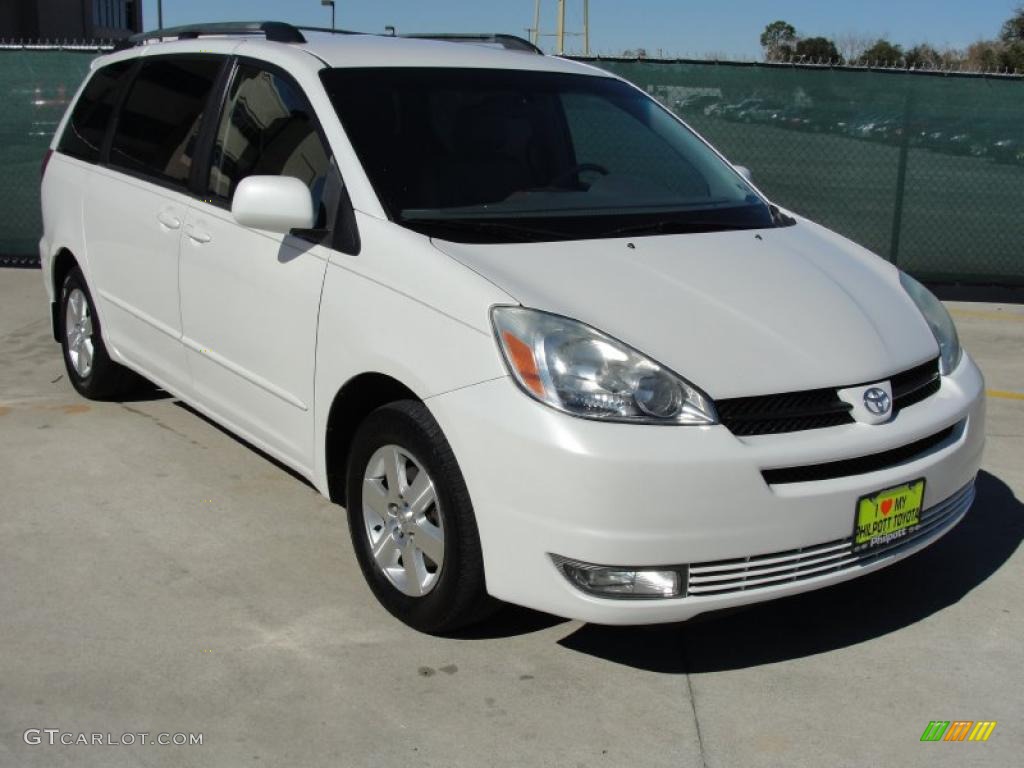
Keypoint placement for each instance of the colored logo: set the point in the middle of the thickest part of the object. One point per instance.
(877, 401)
(958, 730)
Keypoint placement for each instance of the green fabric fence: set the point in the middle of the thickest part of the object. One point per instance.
(35, 88)
(925, 169)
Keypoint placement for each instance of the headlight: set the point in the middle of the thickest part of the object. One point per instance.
(938, 320)
(581, 371)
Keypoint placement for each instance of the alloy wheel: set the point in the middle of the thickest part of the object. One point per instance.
(79, 332)
(402, 519)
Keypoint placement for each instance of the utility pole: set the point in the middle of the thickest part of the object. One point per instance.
(586, 27)
(159, 14)
(560, 35)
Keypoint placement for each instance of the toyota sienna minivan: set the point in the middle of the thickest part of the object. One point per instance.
(541, 340)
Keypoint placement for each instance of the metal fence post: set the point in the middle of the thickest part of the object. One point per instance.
(901, 171)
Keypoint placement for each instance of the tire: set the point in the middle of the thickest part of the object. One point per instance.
(403, 441)
(91, 371)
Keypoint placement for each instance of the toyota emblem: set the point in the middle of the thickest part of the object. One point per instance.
(877, 401)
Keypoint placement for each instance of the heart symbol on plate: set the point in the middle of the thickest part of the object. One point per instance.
(886, 507)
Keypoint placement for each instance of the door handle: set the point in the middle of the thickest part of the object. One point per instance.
(168, 219)
(197, 234)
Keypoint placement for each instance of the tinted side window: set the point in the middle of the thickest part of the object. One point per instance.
(83, 136)
(159, 122)
(267, 129)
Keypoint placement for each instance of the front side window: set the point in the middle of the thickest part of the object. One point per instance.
(486, 155)
(267, 128)
(87, 126)
(159, 122)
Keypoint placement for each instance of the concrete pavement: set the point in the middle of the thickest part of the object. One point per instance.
(158, 575)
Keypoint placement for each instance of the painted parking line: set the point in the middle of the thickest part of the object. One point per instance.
(1005, 395)
(987, 315)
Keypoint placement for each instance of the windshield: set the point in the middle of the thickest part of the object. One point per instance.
(482, 155)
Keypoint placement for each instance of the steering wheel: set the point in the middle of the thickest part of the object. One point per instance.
(576, 170)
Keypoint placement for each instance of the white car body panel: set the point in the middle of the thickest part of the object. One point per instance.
(249, 307)
(371, 301)
(133, 229)
(64, 189)
(731, 312)
(262, 332)
(383, 51)
(629, 495)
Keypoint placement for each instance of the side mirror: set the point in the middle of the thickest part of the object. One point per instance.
(743, 171)
(274, 203)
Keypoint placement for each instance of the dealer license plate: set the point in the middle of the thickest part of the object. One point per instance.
(887, 516)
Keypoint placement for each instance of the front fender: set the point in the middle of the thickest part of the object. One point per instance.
(382, 312)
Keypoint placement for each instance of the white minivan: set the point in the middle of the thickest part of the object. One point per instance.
(539, 338)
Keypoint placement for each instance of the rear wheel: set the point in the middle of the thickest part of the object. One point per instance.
(412, 523)
(89, 367)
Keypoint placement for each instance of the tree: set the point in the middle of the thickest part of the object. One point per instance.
(778, 41)
(952, 58)
(818, 49)
(1011, 57)
(983, 56)
(923, 56)
(1013, 28)
(851, 45)
(882, 53)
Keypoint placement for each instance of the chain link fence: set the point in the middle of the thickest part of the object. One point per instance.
(36, 85)
(925, 169)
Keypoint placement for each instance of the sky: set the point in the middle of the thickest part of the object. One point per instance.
(672, 28)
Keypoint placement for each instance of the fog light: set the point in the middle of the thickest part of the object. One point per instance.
(623, 582)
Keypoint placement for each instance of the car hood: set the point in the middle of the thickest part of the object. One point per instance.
(736, 313)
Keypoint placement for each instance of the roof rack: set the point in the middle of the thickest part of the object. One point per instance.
(281, 32)
(511, 42)
(275, 31)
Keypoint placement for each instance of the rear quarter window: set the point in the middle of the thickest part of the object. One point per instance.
(87, 126)
(159, 123)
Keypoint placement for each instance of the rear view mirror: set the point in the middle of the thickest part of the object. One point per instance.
(743, 171)
(274, 203)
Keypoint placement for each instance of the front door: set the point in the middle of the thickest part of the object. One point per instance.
(250, 299)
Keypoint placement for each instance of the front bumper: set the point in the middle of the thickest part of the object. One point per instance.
(545, 483)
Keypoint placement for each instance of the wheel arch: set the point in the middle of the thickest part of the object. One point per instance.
(63, 262)
(353, 402)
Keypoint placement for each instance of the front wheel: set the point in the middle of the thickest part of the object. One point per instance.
(412, 523)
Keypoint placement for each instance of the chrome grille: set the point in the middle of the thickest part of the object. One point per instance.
(723, 577)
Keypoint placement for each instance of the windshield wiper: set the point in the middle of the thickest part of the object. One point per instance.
(513, 230)
(676, 227)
